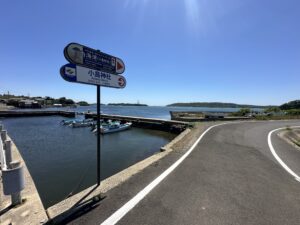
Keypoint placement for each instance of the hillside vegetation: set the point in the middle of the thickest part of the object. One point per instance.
(291, 105)
(216, 105)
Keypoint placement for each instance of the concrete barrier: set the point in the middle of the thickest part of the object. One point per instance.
(13, 182)
(8, 153)
(1, 155)
(12, 171)
(29, 208)
(3, 135)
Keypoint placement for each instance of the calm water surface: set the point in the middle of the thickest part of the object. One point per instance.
(62, 160)
(159, 112)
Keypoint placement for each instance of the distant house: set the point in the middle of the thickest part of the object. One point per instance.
(14, 101)
(57, 105)
(27, 103)
(41, 101)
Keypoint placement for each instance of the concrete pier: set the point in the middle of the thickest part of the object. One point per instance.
(36, 113)
(149, 123)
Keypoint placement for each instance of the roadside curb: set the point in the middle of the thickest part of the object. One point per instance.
(283, 134)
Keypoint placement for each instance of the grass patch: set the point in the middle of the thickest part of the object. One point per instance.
(279, 117)
(297, 143)
(193, 124)
(288, 128)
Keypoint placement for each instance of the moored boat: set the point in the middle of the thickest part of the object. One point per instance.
(78, 122)
(69, 122)
(115, 128)
(102, 124)
(83, 123)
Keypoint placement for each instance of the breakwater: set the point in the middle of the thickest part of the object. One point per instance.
(148, 123)
(31, 113)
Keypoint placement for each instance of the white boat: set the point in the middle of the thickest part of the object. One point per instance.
(115, 128)
(102, 124)
(83, 123)
(70, 121)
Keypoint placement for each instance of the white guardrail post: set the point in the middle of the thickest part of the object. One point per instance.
(3, 135)
(2, 152)
(8, 154)
(12, 171)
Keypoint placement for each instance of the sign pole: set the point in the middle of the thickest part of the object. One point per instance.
(98, 136)
(91, 66)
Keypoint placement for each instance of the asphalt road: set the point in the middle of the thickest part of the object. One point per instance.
(231, 177)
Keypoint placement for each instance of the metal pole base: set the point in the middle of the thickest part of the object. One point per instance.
(16, 199)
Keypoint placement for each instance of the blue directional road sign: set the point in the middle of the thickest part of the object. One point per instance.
(79, 74)
(94, 59)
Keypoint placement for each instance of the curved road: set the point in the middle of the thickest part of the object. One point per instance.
(231, 177)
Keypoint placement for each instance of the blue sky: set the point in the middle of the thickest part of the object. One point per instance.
(241, 51)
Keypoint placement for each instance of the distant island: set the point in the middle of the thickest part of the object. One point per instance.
(215, 105)
(126, 104)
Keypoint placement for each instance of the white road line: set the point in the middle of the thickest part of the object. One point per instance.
(277, 157)
(114, 218)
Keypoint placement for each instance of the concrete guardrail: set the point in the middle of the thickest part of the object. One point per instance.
(12, 171)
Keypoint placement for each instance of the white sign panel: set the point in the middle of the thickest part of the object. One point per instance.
(75, 73)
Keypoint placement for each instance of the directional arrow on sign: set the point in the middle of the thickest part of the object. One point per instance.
(121, 82)
(120, 66)
(79, 74)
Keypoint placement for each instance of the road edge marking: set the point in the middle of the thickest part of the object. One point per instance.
(121, 212)
(279, 160)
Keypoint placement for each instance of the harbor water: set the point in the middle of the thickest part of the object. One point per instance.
(62, 160)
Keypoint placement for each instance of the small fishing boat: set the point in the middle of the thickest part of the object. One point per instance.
(102, 124)
(69, 122)
(115, 128)
(83, 123)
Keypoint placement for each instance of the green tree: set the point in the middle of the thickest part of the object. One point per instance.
(69, 102)
(241, 112)
(272, 109)
(83, 103)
